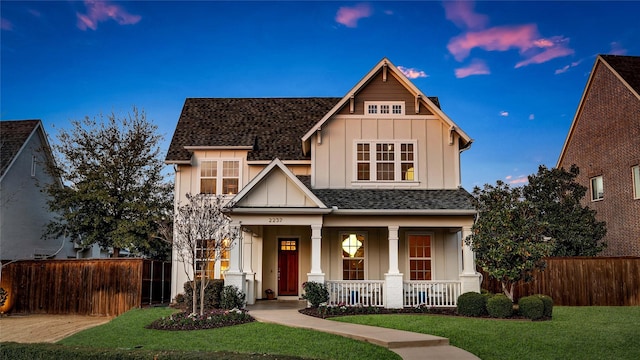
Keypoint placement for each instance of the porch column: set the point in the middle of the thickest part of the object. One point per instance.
(393, 289)
(316, 274)
(469, 279)
(247, 266)
(235, 276)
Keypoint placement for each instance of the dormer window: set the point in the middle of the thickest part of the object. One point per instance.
(392, 160)
(384, 108)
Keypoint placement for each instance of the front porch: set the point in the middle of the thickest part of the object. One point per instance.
(437, 294)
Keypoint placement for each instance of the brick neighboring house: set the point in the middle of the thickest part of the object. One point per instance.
(361, 192)
(604, 141)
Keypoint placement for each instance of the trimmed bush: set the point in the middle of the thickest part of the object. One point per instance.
(531, 307)
(500, 306)
(472, 304)
(315, 293)
(232, 298)
(548, 304)
(211, 294)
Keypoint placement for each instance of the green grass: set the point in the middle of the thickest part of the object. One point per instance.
(127, 332)
(573, 333)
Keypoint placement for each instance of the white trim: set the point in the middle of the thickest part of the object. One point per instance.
(397, 176)
(178, 162)
(262, 174)
(219, 173)
(600, 195)
(366, 244)
(238, 147)
(404, 80)
(408, 250)
(379, 104)
(286, 162)
(635, 181)
(281, 210)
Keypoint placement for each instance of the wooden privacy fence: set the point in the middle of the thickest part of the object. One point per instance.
(87, 287)
(582, 281)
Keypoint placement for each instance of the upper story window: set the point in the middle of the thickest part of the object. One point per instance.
(636, 181)
(384, 108)
(386, 160)
(597, 188)
(219, 177)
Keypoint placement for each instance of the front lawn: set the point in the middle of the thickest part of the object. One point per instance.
(573, 333)
(128, 332)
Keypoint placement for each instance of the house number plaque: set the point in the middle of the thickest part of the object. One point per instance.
(275, 219)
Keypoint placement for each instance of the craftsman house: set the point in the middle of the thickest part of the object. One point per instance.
(604, 141)
(361, 192)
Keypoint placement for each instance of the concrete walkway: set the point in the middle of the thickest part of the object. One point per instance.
(408, 345)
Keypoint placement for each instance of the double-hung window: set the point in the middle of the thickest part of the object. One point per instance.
(206, 264)
(419, 256)
(636, 181)
(597, 188)
(219, 177)
(385, 160)
(353, 256)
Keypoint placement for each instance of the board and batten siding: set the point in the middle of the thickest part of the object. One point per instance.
(438, 162)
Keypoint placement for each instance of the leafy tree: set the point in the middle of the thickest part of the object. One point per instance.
(203, 232)
(558, 198)
(114, 193)
(508, 239)
(517, 227)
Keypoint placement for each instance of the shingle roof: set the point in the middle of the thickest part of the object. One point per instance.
(13, 135)
(393, 199)
(275, 125)
(628, 67)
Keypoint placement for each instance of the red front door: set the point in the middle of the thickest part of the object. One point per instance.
(288, 267)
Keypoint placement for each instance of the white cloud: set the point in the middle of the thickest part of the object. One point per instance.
(504, 113)
(412, 73)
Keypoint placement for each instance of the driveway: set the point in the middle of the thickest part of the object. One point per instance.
(45, 328)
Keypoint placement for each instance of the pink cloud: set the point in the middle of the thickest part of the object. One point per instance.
(522, 179)
(6, 24)
(566, 68)
(617, 49)
(524, 38)
(461, 13)
(100, 11)
(35, 13)
(349, 16)
(412, 73)
(477, 67)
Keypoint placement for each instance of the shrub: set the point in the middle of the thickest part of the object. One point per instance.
(211, 294)
(500, 306)
(315, 293)
(472, 304)
(232, 298)
(548, 304)
(531, 307)
(3, 296)
(211, 319)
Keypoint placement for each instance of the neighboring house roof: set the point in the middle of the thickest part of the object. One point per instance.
(393, 199)
(625, 68)
(270, 127)
(13, 137)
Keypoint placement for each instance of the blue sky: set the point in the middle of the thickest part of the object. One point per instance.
(510, 74)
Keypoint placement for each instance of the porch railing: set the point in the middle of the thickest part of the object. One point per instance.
(431, 293)
(355, 293)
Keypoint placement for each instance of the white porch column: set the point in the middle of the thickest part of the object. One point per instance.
(235, 276)
(469, 279)
(393, 292)
(316, 274)
(247, 260)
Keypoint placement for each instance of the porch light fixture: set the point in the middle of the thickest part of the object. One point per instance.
(351, 245)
